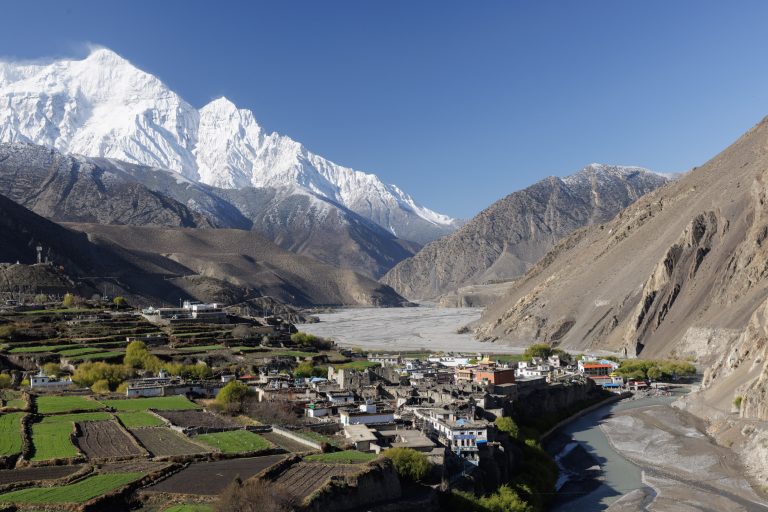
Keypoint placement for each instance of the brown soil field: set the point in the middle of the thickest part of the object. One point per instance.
(162, 441)
(9, 476)
(211, 478)
(101, 439)
(188, 419)
(285, 443)
(303, 478)
(134, 466)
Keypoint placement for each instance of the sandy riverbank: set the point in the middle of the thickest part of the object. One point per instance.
(682, 467)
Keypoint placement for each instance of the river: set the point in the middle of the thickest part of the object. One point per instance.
(646, 455)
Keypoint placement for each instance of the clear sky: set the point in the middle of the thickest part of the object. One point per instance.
(458, 103)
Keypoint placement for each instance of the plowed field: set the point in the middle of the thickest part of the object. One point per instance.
(106, 439)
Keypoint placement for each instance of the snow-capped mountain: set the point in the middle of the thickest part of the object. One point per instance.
(103, 106)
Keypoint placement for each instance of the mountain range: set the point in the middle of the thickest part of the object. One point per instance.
(680, 273)
(103, 106)
(167, 264)
(507, 238)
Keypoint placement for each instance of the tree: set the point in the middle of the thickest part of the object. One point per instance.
(41, 298)
(538, 350)
(88, 373)
(52, 369)
(231, 396)
(5, 380)
(304, 369)
(122, 388)
(654, 373)
(119, 301)
(507, 425)
(137, 355)
(101, 387)
(409, 464)
(505, 499)
(69, 300)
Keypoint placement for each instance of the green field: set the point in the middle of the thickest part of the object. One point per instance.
(135, 419)
(79, 351)
(356, 365)
(160, 403)
(10, 433)
(98, 357)
(50, 437)
(235, 441)
(79, 492)
(36, 349)
(16, 403)
(290, 353)
(55, 311)
(57, 404)
(201, 348)
(345, 457)
(190, 508)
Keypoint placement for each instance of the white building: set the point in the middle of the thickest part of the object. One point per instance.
(366, 414)
(43, 381)
(464, 437)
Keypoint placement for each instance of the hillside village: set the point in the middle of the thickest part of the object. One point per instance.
(95, 387)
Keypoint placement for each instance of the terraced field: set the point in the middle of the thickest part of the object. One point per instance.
(196, 418)
(51, 437)
(305, 477)
(163, 442)
(59, 404)
(136, 419)
(10, 433)
(101, 439)
(10, 476)
(211, 478)
(79, 492)
(235, 441)
(160, 403)
(343, 457)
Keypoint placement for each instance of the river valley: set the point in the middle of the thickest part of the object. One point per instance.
(644, 454)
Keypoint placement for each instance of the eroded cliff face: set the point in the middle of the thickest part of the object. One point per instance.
(684, 262)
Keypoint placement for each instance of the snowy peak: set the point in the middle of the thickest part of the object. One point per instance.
(103, 106)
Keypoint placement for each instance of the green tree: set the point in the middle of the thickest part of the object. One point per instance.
(122, 388)
(5, 381)
(69, 300)
(41, 298)
(654, 373)
(231, 396)
(137, 355)
(410, 464)
(101, 387)
(538, 350)
(52, 369)
(88, 373)
(304, 369)
(119, 301)
(505, 499)
(508, 425)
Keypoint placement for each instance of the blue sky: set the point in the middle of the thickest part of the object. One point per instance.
(459, 103)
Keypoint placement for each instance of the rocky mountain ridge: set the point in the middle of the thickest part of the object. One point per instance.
(507, 238)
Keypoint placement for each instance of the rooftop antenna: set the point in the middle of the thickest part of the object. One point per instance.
(39, 254)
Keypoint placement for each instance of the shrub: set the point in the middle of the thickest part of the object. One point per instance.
(101, 387)
(5, 381)
(410, 464)
(505, 499)
(508, 425)
(737, 401)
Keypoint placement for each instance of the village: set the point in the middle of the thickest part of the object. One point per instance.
(99, 389)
